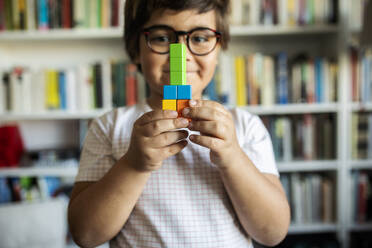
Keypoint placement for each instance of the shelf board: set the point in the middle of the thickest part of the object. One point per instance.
(361, 164)
(61, 34)
(303, 166)
(312, 228)
(262, 30)
(52, 115)
(39, 171)
(259, 110)
(357, 227)
(117, 33)
(357, 106)
(301, 108)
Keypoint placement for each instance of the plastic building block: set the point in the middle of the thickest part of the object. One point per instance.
(181, 104)
(177, 78)
(177, 50)
(177, 64)
(170, 105)
(169, 92)
(184, 92)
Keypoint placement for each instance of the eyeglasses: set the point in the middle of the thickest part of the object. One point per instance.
(200, 41)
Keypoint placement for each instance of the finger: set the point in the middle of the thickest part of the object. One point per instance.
(204, 113)
(207, 103)
(156, 115)
(211, 128)
(212, 143)
(175, 148)
(168, 138)
(157, 127)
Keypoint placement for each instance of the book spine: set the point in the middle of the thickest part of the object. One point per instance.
(131, 85)
(240, 81)
(98, 85)
(62, 90)
(43, 14)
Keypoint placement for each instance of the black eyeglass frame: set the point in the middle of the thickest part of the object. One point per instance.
(146, 32)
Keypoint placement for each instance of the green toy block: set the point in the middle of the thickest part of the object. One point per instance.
(177, 50)
(178, 64)
(177, 78)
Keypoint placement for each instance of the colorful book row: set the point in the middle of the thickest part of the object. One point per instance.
(101, 85)
(284, 12)
(361, 135)
(311, 197)
(302, 137)
(258, 79)
(55, 14)
(361, 75)
(362, 199)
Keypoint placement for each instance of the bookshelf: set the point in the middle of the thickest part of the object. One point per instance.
(57, 48)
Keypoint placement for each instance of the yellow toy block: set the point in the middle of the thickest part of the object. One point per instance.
(170, 105)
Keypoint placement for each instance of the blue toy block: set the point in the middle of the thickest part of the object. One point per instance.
(170, 92)
(184, 91)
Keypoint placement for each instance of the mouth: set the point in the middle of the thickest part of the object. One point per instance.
(188, 72)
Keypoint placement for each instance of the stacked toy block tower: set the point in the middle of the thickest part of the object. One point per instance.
(177, 95)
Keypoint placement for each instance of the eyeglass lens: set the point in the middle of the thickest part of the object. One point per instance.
(200, 41)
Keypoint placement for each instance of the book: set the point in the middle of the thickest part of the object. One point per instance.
(282, 78)
(62, 91)
(240, 81)
(2, 15)
(52, 89)
(79, 14)
(43, 14)
(71, 89)
(2, 94)
(131, 84)
(268, 82)
(106, 84)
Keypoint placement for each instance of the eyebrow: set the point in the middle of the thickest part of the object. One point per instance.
(169, 27)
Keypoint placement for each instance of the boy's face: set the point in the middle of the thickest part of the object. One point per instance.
(155, 67)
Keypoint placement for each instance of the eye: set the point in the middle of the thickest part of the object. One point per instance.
(160, 39)
(199, 39)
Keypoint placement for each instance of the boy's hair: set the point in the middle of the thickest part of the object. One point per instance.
(138, 12)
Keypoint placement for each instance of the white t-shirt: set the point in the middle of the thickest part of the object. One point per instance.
(184, 203)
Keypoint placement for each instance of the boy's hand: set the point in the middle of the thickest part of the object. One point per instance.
(217, 130)
(153, 140)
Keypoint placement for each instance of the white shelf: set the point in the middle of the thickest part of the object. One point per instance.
(262, 30)
(361, 227)
(312, 228)
(39, 171)
(117, 33)
(61, 34)
(259, 110)
(361, 164)
(301, 108)
(52, 115)
(356, 107)
(304, 166)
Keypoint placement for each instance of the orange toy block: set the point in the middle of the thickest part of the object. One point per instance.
(181, 104)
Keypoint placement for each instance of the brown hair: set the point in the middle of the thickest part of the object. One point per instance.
(138, 12)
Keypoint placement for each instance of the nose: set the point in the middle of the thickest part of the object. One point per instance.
(182, 38)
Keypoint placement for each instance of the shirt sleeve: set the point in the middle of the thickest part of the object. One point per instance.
(96, 157)
(255, 141)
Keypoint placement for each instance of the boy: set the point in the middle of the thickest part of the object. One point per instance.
(141, 183)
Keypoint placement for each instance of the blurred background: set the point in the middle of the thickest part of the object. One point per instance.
(303, 66)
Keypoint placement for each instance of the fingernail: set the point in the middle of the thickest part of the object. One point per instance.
(183, 121)
(186, 111)
(192, 102)
(174, 114)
